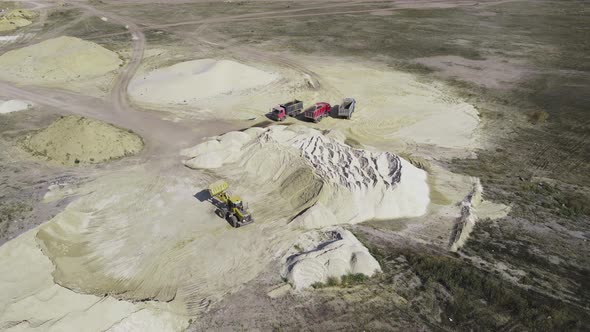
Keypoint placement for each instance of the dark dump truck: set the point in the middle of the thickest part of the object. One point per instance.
(292, 108)
(346, 108)
(318, 111)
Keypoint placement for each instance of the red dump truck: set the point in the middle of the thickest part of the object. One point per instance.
(292, 108)
(318, 111)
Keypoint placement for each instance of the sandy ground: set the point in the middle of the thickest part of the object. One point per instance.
(169, 239)
(139, 247)
(143, 233)
(397, 112)
(501, 73)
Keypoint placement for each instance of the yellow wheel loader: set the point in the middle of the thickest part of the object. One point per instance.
(229, 207)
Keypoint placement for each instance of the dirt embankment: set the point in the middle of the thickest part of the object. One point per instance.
(75, 140)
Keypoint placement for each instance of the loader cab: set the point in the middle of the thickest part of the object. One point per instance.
(236, 202)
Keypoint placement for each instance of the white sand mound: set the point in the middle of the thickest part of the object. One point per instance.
(192, 81)
(14, 106)
(334, 253)
(8, 38)
(331, 182)
(58, 60)
(73, 139)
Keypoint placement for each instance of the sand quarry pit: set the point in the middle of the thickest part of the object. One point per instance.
(73, 140)
(137, 235)
(64, 61)
(191, 82)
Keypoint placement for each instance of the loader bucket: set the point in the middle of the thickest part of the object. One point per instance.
(218, 187)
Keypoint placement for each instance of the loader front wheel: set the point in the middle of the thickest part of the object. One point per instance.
(233, 220)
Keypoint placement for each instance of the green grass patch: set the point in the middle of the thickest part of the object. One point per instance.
(347, 280)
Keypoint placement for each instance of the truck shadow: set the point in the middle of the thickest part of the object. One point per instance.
(268, 116)
(203, 195)
(334, 112)
(301, 117)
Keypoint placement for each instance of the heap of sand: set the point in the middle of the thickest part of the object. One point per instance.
(73, 140)
(193, 81)
(327, 254)
(57, 61)
(15, 19)
(331, 182)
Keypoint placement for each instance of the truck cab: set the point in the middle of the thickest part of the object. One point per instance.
(278, 113)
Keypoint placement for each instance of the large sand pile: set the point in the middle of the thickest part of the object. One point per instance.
(327, 181)
(58, 60)
(327, 254)
(73, 139)
(193, 81)
(15, 19)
